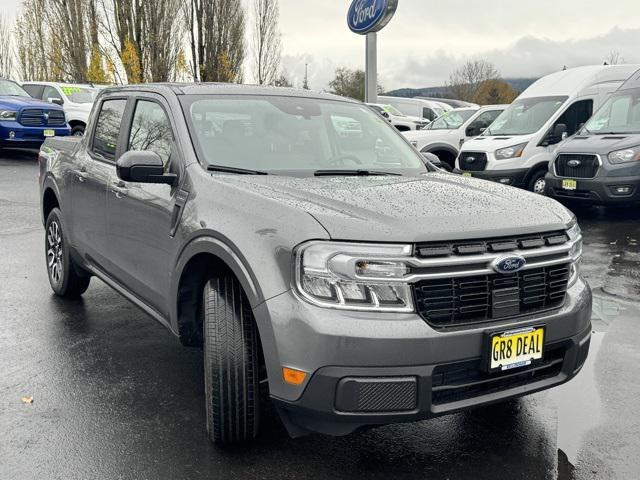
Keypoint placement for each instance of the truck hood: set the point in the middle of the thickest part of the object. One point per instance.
(431, 207)
(12, 102)
(493, 143)
(600, 144)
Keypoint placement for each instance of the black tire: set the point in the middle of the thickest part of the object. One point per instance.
(65, 277)
(537, 183)
(231, 364)
(77, 131)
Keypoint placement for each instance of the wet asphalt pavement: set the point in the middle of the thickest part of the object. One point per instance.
(117, 397)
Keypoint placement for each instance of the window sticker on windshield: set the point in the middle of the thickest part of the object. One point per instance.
(70, 90)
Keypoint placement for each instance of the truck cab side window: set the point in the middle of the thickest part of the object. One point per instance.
(105, 138)
(151, 131)
(428, 114)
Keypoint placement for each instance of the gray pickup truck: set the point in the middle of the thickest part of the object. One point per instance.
(313, 255)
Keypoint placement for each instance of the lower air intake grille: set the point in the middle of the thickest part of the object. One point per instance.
(459, 301)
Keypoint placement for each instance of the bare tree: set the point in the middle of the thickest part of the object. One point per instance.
(266, 41)
(31, 41)
(464, 82)
(216, 30)
(614, 58)
(66, 20)
(6, 47)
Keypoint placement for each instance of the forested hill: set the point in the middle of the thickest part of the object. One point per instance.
(519, 84)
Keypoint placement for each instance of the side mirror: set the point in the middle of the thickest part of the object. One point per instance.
(559, 132)
(57, 101)
(385, 114)
(472, 131)
(431, 158)
(143, 167)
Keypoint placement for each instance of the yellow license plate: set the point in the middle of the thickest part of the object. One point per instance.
(49, 133)
(516, 348)
(466, 174)
(569, 184)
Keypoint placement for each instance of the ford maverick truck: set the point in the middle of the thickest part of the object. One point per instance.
(305, 246)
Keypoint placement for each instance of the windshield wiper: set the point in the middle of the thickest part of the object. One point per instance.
(239, 171)
(353, 173)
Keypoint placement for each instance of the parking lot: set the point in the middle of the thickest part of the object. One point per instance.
(116, 396)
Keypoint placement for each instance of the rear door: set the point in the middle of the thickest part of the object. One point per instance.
(89, 177)
(141, 216)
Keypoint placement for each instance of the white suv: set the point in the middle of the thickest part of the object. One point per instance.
(77, 100)
(402, 122)
(446, 134)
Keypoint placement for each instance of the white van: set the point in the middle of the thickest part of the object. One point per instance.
(517, 148)
(416, 107)
(445, 135)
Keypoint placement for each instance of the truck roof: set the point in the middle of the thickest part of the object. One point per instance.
(574, 80)
(632, 82)
(226, 89)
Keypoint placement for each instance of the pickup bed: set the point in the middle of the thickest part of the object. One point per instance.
(305, 246)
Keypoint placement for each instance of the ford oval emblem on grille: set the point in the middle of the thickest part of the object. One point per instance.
(470, 159)
(508, 264)
(574, 163)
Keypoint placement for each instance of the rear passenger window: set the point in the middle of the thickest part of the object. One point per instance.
(34, 90)
(151, 131)
(105, 138)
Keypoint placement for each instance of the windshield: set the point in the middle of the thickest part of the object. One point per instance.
(7, 87)
(292, 134)
(451, 120)
(619, 114)
(390, 109)
(80, 94)
(525, 116)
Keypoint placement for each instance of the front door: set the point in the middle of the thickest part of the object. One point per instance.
(88, 179)
(139, 215)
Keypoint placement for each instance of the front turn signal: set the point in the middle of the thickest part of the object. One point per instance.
(292, 376)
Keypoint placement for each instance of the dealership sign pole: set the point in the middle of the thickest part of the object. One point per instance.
(366, 17)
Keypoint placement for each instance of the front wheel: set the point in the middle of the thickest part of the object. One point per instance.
(77, 131)
(64, 275)
(537, 183)
(231, 363)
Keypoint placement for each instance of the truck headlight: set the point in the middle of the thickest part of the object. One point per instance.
(354, 276)
(510, 152)
(626, 155)
(575, 235)
(8, 115)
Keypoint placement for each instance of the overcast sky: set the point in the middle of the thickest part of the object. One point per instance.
(427, 39)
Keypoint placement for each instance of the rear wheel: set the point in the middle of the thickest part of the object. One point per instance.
(231, 363)
(65, 277)
(537, 182)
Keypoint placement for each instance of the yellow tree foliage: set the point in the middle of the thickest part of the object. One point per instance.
(492, 92)
(182, 68)
(57, 72)
(96, 73)
(225, 71)
(131, 62)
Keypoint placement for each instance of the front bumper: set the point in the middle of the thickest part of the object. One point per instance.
(595, 191)
(407, 370)
(516, 177)
(27, 137)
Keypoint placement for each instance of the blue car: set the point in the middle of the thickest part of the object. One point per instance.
(24, 121)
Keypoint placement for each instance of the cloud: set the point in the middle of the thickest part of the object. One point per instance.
(529, 56)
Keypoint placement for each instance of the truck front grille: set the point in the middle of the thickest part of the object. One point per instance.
(37, 117)
(576, 165)
(457, 382)
(466, 300)
(472, 161)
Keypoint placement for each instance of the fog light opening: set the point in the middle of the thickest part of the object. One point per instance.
(12, 134)
(622, 189)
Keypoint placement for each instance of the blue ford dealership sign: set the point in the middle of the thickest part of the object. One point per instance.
(368, 16)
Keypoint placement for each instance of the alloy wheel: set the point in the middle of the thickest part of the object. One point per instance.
(54, 252)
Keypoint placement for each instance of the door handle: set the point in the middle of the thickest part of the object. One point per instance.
(81, 176)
